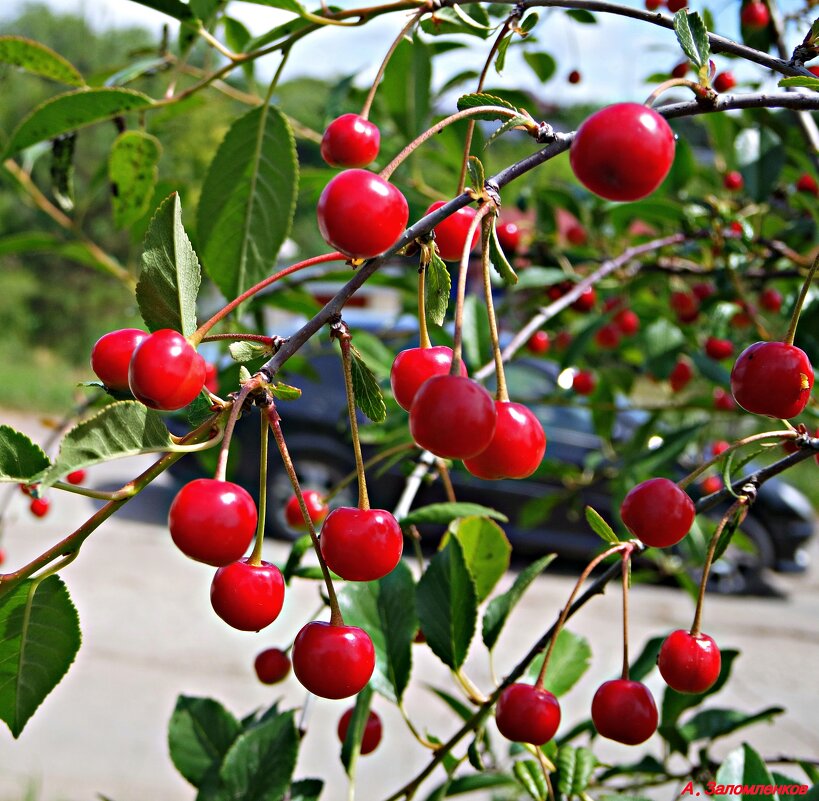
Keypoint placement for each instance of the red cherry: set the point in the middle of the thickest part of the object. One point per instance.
(736, 229)
(361, 544)
(770, 300)
(576, 235)
(272, 666)
(77, 477)
(413, 366)
(361, 214)
(574, 77)
(689, 663)
(583, 382)
(807, 183)
(451, 233)
(39, 506)
(653, 5)
(212, 521)
(211, 378)
(111, 356)
(773, 379)
(680, 376)
(720, 446)
(586, 301)
(453, 417)
(247, 597)
(710, 485)
(676, 5)
(703, 290)
(725, 81)
(350, 141)
(622, 152)
(627, 321)
(733, 181)
(723, 400)
(755, 15)
(658, 512)
(527, 714)
(333, 661)
(680, 70)
(719, 349)
(563, 340)
(508, 236)
(624, 711)
(789, 446)
(166, 372)
(685, 305)
(2, 556)
(26, 489)
(608, 336)
(372, 730)
(316, 508)
(538, 343)
(517, 447)
(814, 70)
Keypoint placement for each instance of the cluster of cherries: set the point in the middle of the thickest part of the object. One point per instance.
(41, 505)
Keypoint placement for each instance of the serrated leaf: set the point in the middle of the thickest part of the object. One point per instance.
(39, 638)
(477, 175)
(124, 428)
(351, 747)
(542, 64)
(566, 764)
(285, 391)
(38, 59)
(600, 526)
(443, 514)
(248, 351)
(479, 781)
(692, 36)
(585, 764)
(801, 80)
(530, 776)
(486, 550)
(367, 393)
(200, 733)
(437, 286)
(173, 8)
(133, 173)
(514, 122)
(248, 200)
(499, 261)
(20, 458)
(570, 660)
(71, 111)
(62, 170)
(499, 608)
(169, 281)
(482, 99)
(447, 605)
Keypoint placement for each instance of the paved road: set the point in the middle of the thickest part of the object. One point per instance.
(150, 634)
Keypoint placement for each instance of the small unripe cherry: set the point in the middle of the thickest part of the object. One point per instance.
(272, 666)
(658, 512)
(372, 730)
(317, 509)
(689, 663)
(350, 141)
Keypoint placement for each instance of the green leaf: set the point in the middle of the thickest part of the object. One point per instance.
(200, 733)
(500, 58)
(582, 16)
(124, 428)
(437, 285)
(38, 59)
(482, 99)
(73, 110)
(479, 781)
(647, 660)
(447, 605)
(248, 200)
(283, 391)
(801, 80)
(136, 69)
(38, 242)
(351, 747)
(471, 22)
(456, 705)
(601, 527)
(248, 351)
(169, 281)
(760, 155)
(20, 458)
(299, 548)
(673, 445)
(542, 64)
(444, 513)
(711, 724)
(662, 341)
(367, 393)
(499, 260)
(405, 89)
(744, 766)
(306, 790)
(570, 660)
(133, 173)
(585, 764)
(476, 341)
(477, 175)
(692, 36)
(173, 8)
(566, 765)
(537, 277)
(39, 638)
(530, 776)
(486, 550)
(514, 122)
(285, 5)
(499, 608)
(62, 170)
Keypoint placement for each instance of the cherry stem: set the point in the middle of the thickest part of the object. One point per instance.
(564, 613)
(371, 462)
(695, 87)
(414, 732)
(235, 410)
(472, 693)
(423, 331)
(256, 556)
(443, 472)
(546, 768)
(88, 493)
(260, 338)
(203, 329)
(696, 626)
(800, 301)
(274, 421)
(626, 564)
(502, 393)
(368, 102)
(344, 338)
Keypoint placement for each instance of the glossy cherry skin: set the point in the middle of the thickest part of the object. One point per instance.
(627, 321)
(807, 183)
(333, 661)
(517, 446)
(622, 152)
(755, 15)
(583, 383)
(680, 70)
(372, 730)
(719, 349)
(653, 5)
(166, 372)
(586, 301)
(725, 81)
(111, 356)
(733, 181)
(680, 376)
(247, 597)
(688, 663)
(361, 214)
(39, 507)
(272, 665)
(508, 236)
(527, 714)
(361, 544)
(607, 336)
(771, 300)
(350, 141)
(538, 343)
(773, 379)
(453, 417)
(76, 477)
(658, 512)
(316, 508)
(451, 233)
(213, 521)
(676, 5)
(624, 711)
(413, 366)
